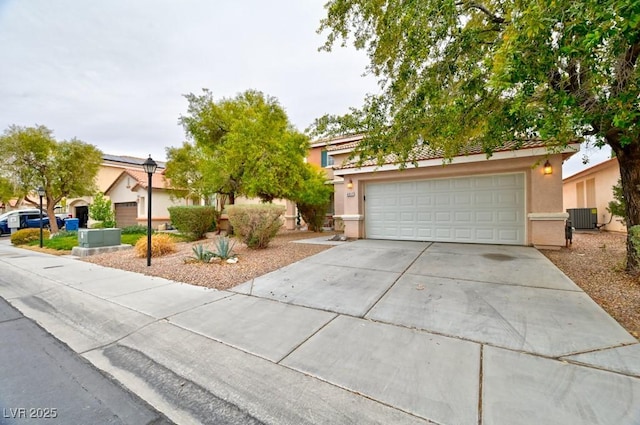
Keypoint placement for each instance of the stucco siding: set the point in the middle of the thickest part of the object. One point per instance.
(593, 188)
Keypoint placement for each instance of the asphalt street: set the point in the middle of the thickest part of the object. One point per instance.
(42, 381)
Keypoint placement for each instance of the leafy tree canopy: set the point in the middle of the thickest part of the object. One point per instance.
(454, 72)
(242, 146)
(32, 158)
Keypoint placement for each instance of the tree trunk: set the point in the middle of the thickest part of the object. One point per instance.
(629, 163)
(51, 213)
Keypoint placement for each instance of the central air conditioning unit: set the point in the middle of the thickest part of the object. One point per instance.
(583, 218)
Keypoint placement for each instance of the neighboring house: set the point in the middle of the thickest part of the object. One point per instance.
(129, 197)
(321, 154)
(123, 180)
(505, 199)
(593, 189)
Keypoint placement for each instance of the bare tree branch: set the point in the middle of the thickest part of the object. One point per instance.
(492, 16)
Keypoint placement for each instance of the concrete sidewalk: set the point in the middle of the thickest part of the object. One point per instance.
(365, 332)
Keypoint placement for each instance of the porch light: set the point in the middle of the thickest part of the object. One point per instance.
(350, 184)
(548, 169)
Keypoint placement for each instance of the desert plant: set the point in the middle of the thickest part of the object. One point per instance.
(194, 220)
(100, 210)
(224, 248)
(161, 244)
(256, 225)
(201, 254)
(24, 236)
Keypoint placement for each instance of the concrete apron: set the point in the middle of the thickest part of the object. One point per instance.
(366, 332)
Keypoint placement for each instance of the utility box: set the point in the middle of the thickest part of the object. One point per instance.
(583, 218)
(13, 222)
(93, 238)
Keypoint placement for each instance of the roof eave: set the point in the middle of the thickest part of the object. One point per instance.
(463, 159)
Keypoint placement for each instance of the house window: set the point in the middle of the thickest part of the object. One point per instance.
(141, 207)
(591, 193)
(326, 160)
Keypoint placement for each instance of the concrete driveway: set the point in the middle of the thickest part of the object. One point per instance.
(366, 332)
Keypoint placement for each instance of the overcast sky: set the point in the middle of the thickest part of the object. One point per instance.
(113, 73)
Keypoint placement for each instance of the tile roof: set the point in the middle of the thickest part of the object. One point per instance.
(158, 180)
(426, 152)
(129, 160)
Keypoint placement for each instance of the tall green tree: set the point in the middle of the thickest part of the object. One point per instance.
(32, 158)
(7, 190)
(314, 197)
(242, 146)
(454, 72)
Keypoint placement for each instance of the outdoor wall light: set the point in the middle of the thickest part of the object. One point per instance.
(548, 169)
(350, 184)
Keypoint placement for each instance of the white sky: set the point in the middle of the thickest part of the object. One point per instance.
(113, 73)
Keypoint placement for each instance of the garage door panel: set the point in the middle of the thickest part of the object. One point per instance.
(463, 234)
(443, 200)
(483, 198)
(443, 217)
(485, 235)
(482, 209)
(407, 201)
(485, 217)
(465, 199)
(442, 185)
(424, 200)
(463, 216)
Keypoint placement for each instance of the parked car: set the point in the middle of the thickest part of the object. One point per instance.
(29, 218)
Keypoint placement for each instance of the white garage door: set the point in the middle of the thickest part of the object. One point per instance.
(479, 209)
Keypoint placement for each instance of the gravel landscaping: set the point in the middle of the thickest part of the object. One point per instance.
(594, 262)
(219, 275)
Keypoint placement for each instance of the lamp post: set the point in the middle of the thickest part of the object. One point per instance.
(149, 166)
(41, 193)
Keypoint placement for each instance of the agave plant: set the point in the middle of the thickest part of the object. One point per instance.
(201, 254)
(224, 248)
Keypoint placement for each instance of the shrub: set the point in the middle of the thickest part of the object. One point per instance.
(313, 198)
(256, 225)
(193, 221)
(313, 215)
(24, 236)
(100, 210)
(224, 248)
(161, 244)
(134, 230)
(201, 254)
(65, 234)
